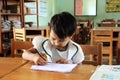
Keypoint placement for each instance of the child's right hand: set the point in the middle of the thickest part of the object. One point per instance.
(38, 60)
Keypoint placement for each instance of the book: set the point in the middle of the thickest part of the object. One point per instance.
(106, 72)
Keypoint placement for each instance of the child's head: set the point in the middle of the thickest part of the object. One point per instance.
(62, 27)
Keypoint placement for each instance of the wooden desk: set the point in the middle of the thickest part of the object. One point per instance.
(81, 72)
(104, 28)
(37, 31)
(116, 40)
(8, 65)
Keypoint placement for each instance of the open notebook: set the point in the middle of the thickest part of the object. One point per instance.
(107, 72)
(54, 67)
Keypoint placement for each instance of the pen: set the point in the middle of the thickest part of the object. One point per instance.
(40, 55)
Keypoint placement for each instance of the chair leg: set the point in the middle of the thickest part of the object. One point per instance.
(5, 52)
(110, 59)
(118, 56)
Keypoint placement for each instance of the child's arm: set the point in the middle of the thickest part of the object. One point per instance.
(31, 56)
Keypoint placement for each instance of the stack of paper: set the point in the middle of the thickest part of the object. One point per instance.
(107, 72)
(55, 67)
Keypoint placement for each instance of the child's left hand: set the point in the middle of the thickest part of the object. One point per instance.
(62, 61)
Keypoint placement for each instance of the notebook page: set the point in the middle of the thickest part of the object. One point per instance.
(54, 67)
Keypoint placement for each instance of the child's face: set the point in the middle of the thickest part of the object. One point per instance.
(57, 42)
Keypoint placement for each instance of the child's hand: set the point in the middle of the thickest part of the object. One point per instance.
(38, 60)
(62, 61)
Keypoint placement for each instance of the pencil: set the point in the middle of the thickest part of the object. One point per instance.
(40, 55)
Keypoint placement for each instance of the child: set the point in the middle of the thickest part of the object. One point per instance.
(59, 48)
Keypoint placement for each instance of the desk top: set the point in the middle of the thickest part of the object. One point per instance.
(7, 65)
(81, 72)
(107, 28)
(33, 28)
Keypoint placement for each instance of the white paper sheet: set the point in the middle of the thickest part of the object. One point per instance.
(107, 72)
(54, 67)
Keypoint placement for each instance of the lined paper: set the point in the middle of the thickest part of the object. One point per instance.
(54, 67)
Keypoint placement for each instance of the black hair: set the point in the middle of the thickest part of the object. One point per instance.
(63, 24)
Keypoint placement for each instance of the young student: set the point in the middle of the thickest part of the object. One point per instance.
(59, 48)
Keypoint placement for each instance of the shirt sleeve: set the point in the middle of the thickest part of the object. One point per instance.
(79, 57)
(37, 41)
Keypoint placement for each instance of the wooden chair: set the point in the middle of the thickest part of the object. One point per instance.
(118, 51)
(107, 23)
(18, 46)
(105, 38)
(19, 34)
(95, 51)
(47, 32)
(118, 23)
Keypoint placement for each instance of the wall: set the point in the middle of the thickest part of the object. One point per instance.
(43, 20)
(56, 6)
(101, 14)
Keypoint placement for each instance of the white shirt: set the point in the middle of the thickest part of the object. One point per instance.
(73, 53)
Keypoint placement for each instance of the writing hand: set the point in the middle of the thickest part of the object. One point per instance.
(62, 61)
(39, 60)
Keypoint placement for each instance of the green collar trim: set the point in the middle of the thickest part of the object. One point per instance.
(51, 56)
(44, 48)
(75, 52)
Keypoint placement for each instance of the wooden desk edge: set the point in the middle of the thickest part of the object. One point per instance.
(14, 69)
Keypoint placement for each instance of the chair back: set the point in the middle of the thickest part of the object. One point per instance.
(95, 51)
(107, 23)
(17, 47)
(19, 34)
(105, 38)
